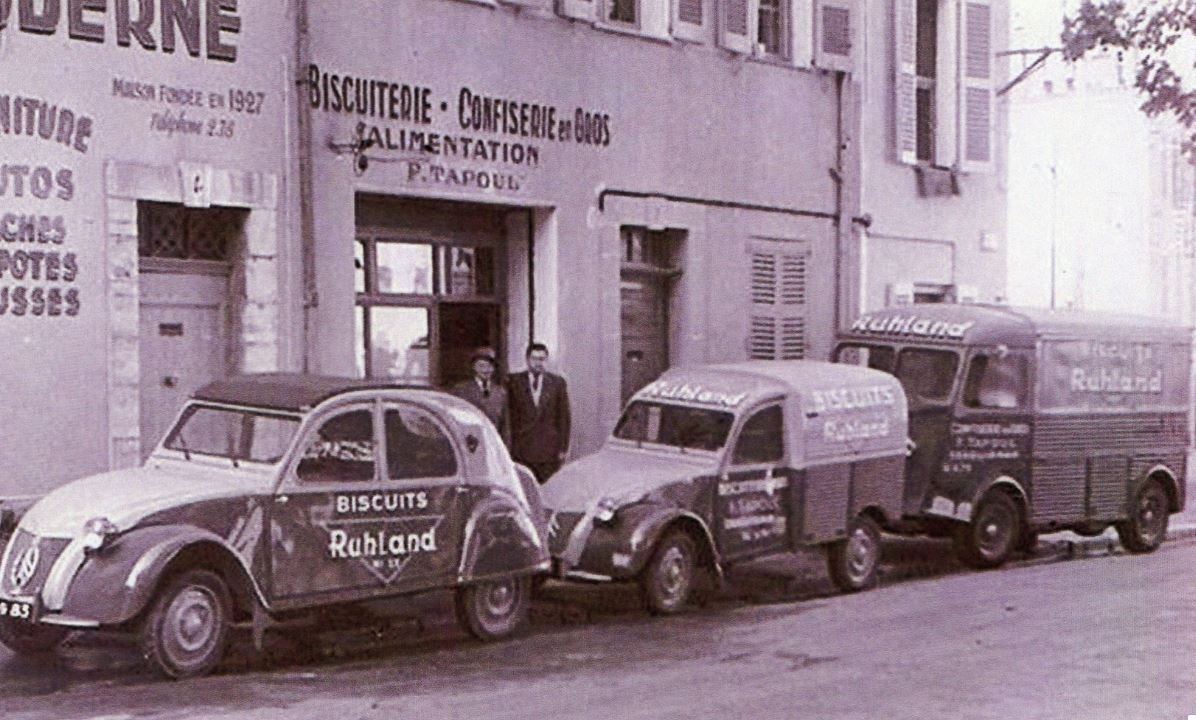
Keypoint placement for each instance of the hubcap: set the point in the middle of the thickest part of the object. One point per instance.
(192, 619)
(1149, 514)
(861, 554)
(499, 599)
(995, 529)
(673, 573)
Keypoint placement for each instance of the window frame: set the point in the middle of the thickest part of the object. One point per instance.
(1026, 395)
(309, 430)
(732, 463)
(458, 475)
(370, 296)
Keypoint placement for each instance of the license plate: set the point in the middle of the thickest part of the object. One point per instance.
(16, 609)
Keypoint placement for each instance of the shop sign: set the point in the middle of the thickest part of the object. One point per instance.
(463, 138)
(193, 26)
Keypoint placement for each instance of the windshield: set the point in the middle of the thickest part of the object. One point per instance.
(232, 433)
(926, 375)
(675, 425)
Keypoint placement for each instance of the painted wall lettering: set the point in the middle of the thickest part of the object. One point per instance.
(197, 27)
(38, 118)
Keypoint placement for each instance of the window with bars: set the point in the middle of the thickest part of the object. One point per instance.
(174, 232)
(777, 323)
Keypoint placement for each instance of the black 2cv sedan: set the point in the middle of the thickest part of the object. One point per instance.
(274, 496)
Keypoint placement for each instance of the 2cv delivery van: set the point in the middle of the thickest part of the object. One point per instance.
(714, 465)
(1028, 420)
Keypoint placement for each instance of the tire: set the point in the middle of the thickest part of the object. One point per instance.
(668, 579)
(1146, 527)
(185, 632)
(26, 638)
(992, 535)
(495, 609)
(853, 561)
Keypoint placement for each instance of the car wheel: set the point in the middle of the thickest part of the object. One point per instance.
(669, 576)
(26, 638)
(990, 538)
(494, 609)
(185, 632)
(1146, 527)
(853, 561)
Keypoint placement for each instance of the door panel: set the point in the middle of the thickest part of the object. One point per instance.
(183, 344)
(348, 525)
(644, 320)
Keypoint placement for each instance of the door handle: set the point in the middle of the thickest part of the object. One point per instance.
(281, 499)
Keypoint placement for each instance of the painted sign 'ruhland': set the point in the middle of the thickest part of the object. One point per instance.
(199, 23)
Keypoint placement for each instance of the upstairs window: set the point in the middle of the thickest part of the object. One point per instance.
(770, 28)
(622, 12)
(944, 105)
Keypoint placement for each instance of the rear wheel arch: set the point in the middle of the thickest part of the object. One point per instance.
(1165, 477)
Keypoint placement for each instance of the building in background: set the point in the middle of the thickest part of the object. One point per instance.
(375, 189)
(1101, 197)
(933, 145)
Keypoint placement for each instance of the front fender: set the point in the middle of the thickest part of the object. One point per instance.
(115, 585)
(501, 540)
(622, 548)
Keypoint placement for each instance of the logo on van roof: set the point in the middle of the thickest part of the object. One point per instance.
(911, 325)
(692, 393)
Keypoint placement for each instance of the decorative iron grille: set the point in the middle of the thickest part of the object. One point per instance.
(167, 230)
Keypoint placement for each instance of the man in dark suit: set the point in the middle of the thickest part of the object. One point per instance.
(485, 392)
(539, 415)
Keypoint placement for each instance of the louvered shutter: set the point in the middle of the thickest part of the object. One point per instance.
(835, 34)
(905, 111)
(735, 32)
(577, 9)
(689, 20)
(777, 322)
(976, 96)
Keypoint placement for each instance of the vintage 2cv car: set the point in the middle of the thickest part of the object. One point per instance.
(719, 464)
(271, 498)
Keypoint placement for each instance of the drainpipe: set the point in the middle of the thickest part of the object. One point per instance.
(305, 183)
(847, 177)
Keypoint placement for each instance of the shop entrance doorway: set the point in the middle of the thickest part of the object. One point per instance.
(431, 288)
(184, 333)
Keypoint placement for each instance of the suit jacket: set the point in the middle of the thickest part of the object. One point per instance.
(494, 406)
(539, 433)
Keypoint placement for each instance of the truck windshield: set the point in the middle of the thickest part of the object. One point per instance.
(231, 433)
(687, 428)
(927, 375)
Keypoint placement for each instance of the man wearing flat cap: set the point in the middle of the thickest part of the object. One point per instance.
(484, 391)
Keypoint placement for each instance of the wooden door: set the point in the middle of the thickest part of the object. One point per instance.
(645, 328)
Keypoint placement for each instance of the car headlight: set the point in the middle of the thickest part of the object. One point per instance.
(96, 534)
(604, 513)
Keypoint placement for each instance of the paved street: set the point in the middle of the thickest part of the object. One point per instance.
(1096, 637)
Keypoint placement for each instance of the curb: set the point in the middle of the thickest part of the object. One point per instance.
(1069, 544)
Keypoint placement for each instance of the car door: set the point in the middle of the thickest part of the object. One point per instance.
(753, 498)
(373, 506)
(323, 545)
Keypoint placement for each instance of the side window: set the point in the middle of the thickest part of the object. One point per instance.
(996, 382)
(341, 450)
(762, 439)
(415, 446)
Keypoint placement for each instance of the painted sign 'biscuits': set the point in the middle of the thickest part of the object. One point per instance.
(197, 27)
